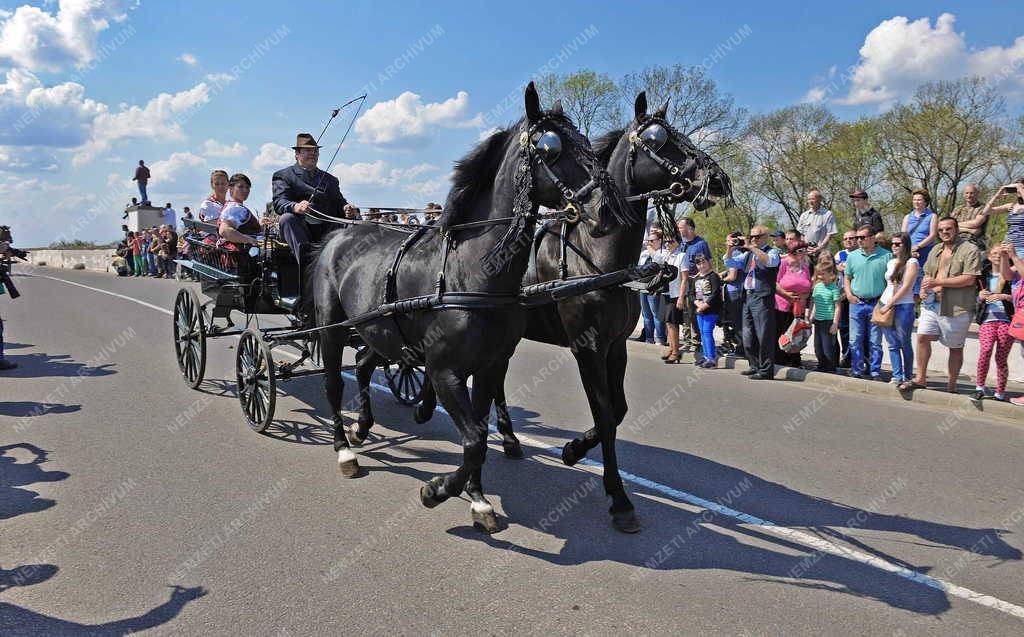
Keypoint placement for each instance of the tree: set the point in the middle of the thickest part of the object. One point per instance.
(695, 104)
(589, 98)
(943, 138)
(788, 151)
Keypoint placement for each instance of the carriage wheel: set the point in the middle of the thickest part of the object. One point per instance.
(189, 337)
(254, 375)
(406, 382)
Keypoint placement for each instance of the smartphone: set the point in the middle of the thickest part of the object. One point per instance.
(1009, 190)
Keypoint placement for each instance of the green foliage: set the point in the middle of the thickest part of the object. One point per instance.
(78, 244)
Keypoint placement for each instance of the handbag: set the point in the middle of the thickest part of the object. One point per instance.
(1017, 320)
(881, 318)
(796, 337)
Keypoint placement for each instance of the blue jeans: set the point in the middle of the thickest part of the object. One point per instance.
(706, 325)
(151, 263)
(861, 327)
(653, 327)
(142, 192)
(900, 342)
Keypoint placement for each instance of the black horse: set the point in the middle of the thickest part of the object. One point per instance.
(478, 246)
(647, 156)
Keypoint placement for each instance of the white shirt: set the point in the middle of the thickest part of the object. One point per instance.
(658, 256)
(169, 215)
(908, 296)
(815, 225)
(679, 259)
(209, 211)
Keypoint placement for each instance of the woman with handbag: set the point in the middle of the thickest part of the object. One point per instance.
(671, 309)
(894, 312)
(922, 225)
(792, 289)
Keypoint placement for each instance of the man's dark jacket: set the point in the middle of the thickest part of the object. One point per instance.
(294, 184)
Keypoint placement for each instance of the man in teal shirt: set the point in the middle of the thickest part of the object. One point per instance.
(864, 283)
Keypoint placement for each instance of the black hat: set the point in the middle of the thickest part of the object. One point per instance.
(858, 194)
(304, 140)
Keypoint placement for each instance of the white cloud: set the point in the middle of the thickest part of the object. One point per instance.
(219, 78)
(31, 114)
(274, 156)
(188, 59)
(899, 55)
(213, 148)
(169, 171)
(27, 159)
(34, 39)
(407, 121)
(159, 119)
(378, 174)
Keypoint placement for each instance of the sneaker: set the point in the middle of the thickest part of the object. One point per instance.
(1000, 397)
(857, 376)
(977, 395)
(748, 372)
(895, 381)
(876, 377)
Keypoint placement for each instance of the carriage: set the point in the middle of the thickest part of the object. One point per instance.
(263, 280)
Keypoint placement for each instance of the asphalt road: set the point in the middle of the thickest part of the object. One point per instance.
(129, 503)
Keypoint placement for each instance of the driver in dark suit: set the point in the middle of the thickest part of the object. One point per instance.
(301, 186)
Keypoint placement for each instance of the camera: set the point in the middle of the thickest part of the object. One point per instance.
(1009, 190)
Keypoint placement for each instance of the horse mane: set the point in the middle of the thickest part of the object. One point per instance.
(605, 145)
(474, 172)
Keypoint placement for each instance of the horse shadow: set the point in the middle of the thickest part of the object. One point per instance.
(8, 346)
(42, 365)
(27, 408)
(16, 621)
(14, 500)
(569, 505)
(26, 575)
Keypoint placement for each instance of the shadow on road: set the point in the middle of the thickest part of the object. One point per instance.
(27, 408)
(18, 621)
(43, 365)
(14, 500)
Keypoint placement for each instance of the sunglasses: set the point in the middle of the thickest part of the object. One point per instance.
(849, 238)
(897, 244)
(756, 236)
(863, 237)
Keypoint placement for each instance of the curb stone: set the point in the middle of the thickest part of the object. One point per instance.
(958, 405)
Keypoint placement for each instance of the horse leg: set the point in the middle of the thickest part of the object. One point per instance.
(366, 363)
(332, 348)
(616, 379)
(456, 399)
(595, 382)
(425, 410)
(509, 442)
(484, 385)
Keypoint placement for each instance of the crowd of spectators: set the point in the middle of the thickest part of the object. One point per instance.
(928, 282)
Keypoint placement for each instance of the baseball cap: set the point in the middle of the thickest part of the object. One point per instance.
(777, 233)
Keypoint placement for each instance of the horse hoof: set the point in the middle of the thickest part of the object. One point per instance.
(626, 522)
(512, 449)
(429, 492)
(348, 464)
(422, 414)
(352, 434)
(484, 518)
(569, 457)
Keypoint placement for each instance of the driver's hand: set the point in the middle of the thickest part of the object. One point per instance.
(300, 208)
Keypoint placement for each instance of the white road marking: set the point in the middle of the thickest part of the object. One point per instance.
(767, 526)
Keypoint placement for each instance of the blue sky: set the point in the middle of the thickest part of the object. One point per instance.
(190, 87)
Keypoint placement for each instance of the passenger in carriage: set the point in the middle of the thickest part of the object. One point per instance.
(237, 222)
(210, 209)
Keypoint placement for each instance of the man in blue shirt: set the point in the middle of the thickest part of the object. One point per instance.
(693, 245)
(759, 305)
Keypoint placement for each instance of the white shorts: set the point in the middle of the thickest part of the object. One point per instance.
(951, 330)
